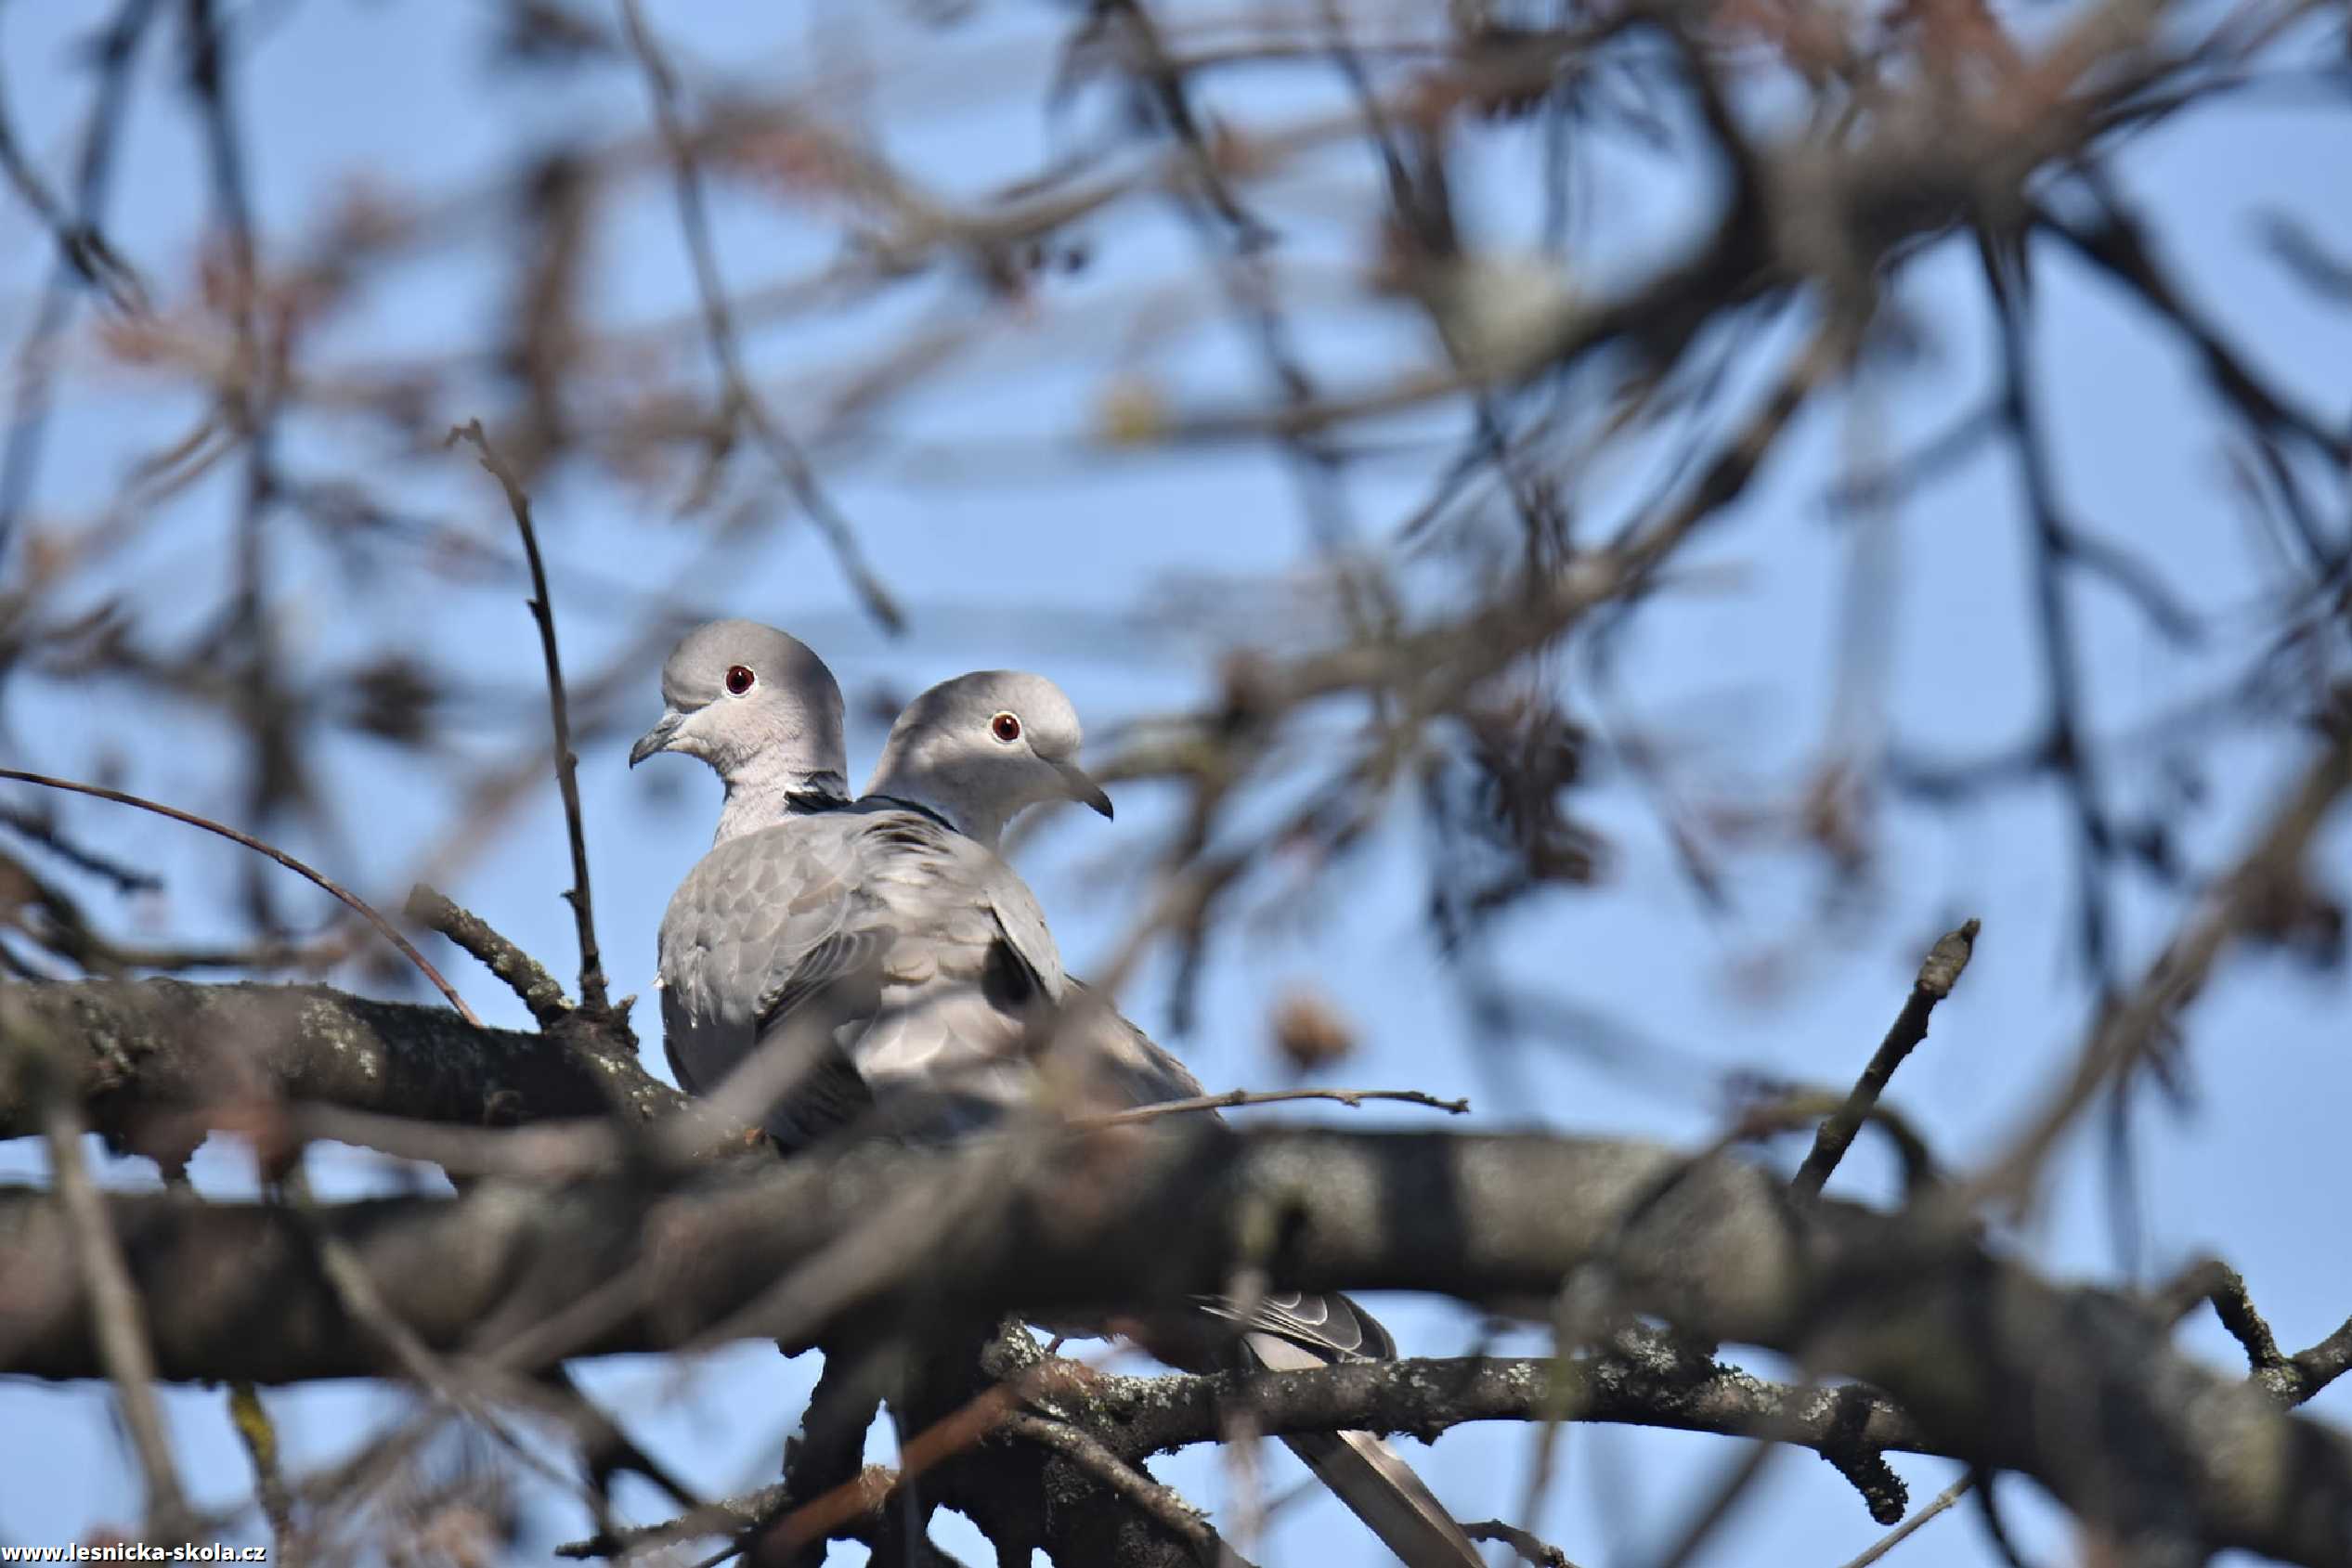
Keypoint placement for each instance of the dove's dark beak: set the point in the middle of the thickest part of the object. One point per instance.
(1083, 788)
(659, 737)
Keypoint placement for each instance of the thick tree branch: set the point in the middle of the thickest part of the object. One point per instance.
(1990, 1361)
(151, 1050)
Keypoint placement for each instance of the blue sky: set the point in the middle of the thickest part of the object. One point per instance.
(1011, 549)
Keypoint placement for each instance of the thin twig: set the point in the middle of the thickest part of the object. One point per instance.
(28, 407)
(1797, 1108)
(349, 899)
(248, 389)
(1996, 1526)
(52, 917)
(2234, 1305)
(979, 1418)
(1353, 1098)
(356, 1293)
(728, 1516)
(120, 1318)
(1901, 1532)
(40, 830)
(742, 402)
(592, 998)
(1737, 1480)
(29, 184)
(2054, 617)
(2291, 1380)
(2316, 1368)
(1937, 974)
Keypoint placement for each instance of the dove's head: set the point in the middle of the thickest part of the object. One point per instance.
(755, 704)
(980, 749)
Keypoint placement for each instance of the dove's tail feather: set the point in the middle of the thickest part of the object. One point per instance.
(1375, 1482)
(1382, 1491)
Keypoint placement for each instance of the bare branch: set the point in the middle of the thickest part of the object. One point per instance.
(349, 899)
(593, 999)
(1938, 972)
(41, 830)
(1352, 1098)
(35, 359)
(522, 974)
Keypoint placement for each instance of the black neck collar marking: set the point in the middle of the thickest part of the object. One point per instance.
(818, 800)
(917, 808)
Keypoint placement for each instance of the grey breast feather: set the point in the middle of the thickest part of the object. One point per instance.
(885, 946)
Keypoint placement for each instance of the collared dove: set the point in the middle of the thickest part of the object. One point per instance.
(765, 713)
(979, 749)
(906, 976)
(970, 751)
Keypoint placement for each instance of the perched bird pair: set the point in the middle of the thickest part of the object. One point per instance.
(872, 964)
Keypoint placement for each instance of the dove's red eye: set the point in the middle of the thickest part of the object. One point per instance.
(1006, 727)
(739, 678)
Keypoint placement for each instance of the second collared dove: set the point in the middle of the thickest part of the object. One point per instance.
(966, 750)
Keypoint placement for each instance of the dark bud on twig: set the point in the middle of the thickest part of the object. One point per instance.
(1941, 969)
